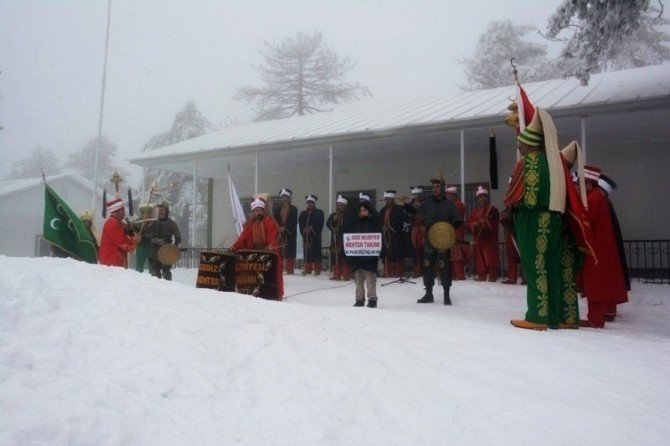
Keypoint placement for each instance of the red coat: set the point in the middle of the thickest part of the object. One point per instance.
(115, 244)
(460, 250)
(246, 241)
(604, 281)
(486, 235)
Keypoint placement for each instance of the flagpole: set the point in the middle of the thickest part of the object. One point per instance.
(102, 107)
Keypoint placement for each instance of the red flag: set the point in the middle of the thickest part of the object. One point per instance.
(526, 109)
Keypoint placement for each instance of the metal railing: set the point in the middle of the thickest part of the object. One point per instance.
(648, 260)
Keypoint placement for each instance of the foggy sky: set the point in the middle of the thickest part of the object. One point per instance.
(165, 52)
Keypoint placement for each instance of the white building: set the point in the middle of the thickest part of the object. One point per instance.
(22, 211)
(621, 120)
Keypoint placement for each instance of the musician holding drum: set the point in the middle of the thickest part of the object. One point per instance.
(165, 237)
(261, 233)
(442, 217)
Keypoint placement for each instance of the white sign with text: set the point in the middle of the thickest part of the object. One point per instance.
(363, 244)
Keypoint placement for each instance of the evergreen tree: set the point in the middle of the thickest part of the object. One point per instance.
(645, 46)
(32, 166)
(187, 124)
(301, 75)
(604, 32)
(177, 188)
(490, 66)
(83, 161)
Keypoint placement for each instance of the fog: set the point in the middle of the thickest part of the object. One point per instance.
(164, 53)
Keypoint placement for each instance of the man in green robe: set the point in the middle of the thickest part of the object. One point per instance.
(537, 197)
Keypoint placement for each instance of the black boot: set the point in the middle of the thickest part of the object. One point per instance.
(447, 300)
(372, 303)
(359, 303)
(428, 297)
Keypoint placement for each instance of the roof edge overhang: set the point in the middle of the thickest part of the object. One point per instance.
(438, 126)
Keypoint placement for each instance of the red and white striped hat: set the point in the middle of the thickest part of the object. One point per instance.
(481, 191)
(115, 205)
(451, 190)
(591, 173)
(257, 203)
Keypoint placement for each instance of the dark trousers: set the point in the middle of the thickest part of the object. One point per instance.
(157, 269)
(434, 260)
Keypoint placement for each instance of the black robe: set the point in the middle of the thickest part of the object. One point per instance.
(393, 235)
(289, 240)
(312, 243)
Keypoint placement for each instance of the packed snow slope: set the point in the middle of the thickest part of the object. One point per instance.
(97, 355)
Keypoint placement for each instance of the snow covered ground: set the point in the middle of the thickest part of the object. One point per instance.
(104, 356)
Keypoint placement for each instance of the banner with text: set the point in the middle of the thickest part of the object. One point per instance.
(363, 244)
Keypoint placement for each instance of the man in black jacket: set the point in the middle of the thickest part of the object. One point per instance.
(436, 209)
(160, 232)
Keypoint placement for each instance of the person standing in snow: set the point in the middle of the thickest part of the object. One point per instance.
(335, 223)
(364, 268)
(417, 231)
(604, 281)
(537, 196)
(436, 209)
(461, 252)
(286, 216)
(116, 240)
(483, 222)
(261, 232)
(160, 232)
(391, 219)
(311, 223)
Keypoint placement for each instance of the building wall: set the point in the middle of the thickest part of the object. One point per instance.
(398, 175)
(642, 174)
(640, 170)
(22, 215)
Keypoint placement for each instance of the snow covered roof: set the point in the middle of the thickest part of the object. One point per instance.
(14, 186)
(367, 119)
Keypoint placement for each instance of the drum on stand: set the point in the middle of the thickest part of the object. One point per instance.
(217, 271)
(256, 273)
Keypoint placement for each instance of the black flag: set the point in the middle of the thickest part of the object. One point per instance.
(493, 160)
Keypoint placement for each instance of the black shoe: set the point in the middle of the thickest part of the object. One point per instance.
(447, 300)
(427, 299)
(372, 304)
(359, 303)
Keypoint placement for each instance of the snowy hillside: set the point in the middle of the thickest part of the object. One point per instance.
(98, 355)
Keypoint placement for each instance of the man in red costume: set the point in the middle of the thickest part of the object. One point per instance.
(483, 223)
(418, 230)
(116, 240)
(604, 282)
(336, 223)
(459, 252)
(391, 218)
(260, 232)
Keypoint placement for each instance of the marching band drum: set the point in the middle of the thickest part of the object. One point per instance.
(249, 271)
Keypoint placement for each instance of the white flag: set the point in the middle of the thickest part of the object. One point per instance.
(238, 213)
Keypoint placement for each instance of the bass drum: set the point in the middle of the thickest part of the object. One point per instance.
(441, 236)
(168, 254)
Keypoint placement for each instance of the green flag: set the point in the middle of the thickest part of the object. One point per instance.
(64, 229)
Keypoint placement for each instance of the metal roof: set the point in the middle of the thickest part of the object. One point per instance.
(374, 117)
(11, 187)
